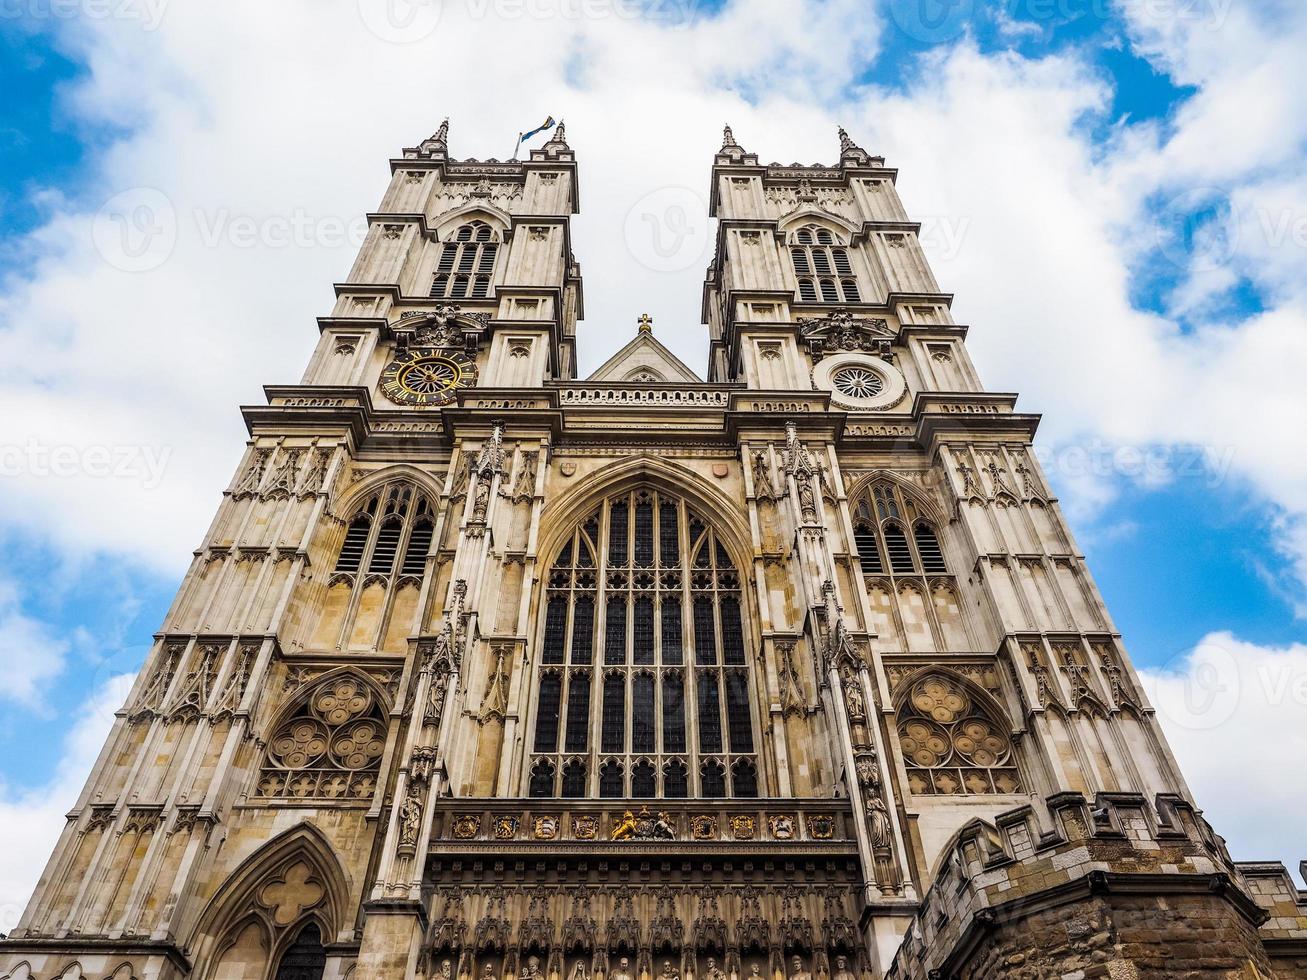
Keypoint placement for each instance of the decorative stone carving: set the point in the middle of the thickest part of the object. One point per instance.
(843, 331)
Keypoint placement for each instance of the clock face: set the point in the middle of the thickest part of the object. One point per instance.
(425, 377)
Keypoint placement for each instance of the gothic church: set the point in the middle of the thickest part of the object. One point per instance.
(794, 673)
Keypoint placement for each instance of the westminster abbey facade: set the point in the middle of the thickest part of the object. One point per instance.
(486, 671)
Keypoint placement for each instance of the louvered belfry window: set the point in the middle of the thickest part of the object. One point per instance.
(389, 534)
(466, 264)
(822, 267)
(643, 665)
(890, 536)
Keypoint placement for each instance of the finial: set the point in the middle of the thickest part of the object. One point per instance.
(845, 142)
(646, 323)
(442, 134)
(728, 138)
(560, 132)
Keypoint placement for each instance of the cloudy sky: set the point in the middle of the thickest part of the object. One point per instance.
(1115, 191)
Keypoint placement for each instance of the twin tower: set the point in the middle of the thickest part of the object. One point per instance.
(486, 671)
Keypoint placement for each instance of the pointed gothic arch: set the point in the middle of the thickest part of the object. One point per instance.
(265, 905)
(954, 736)
(328, 741)
(644, 659)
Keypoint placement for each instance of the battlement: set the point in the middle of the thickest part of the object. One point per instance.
(1119, 881)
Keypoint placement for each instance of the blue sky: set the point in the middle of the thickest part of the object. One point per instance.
(1117, 182)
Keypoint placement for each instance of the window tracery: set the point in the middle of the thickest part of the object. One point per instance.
(466, 263)
(822, 267)
(892, 536)
(644, 685)
(330, 748)
(952, 743)
(389, 535)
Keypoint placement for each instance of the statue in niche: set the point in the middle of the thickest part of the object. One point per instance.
(532, 969)
(711, 971)
(623, 971)
(797, 970)
(669, 972)
(446, 970)
(755, 971)
(842, 969)
(488, 972)
(853, 698)
(878, 822)
(579, 972)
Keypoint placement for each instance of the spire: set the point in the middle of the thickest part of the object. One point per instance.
(850, 151)
(559, 137)
(728, 139)
(645, 323)
(438, 143)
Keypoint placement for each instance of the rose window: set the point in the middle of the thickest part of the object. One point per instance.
(858, 382)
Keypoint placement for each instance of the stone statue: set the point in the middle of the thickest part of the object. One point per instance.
(755, 972)
(446, 970)
(842, 969)
(797, 970)
(488, 972)
(853, 699)
(579, 972)
(669, 972)
(878, 822)
(712, 971)
(410, 819)
(532, 969)
(623, 971)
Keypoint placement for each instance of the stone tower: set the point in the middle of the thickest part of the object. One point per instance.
(482, 671)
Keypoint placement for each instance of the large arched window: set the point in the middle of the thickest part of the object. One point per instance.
(952, 743)
(644, 686)
(390, 534)
(466, 263)
(892, 537)
(306, 958)
(822, 267)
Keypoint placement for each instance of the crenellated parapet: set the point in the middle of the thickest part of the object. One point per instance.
(1121, 885)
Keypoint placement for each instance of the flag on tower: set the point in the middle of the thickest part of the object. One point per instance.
(547, 124)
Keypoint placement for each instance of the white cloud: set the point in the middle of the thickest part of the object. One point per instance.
(31, 651)
(1235, 714)
(31, 820)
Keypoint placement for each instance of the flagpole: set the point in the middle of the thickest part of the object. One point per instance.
(518, 147)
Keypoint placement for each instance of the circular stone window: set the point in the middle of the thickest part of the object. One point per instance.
(860, 382)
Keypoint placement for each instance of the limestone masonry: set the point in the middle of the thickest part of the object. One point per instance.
(486, 672)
